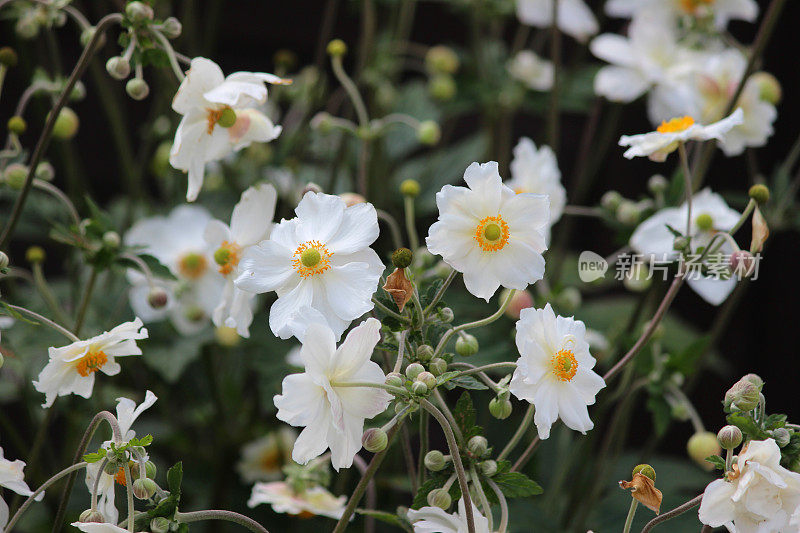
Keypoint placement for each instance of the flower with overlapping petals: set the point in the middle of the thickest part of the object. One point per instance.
(575, 18)
(437, 520)
(312, 501)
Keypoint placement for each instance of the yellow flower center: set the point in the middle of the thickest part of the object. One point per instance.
(675, 125)
(91, 363)
(192, 265)
(564, 365)
(227, 257)
(492, 233)
(270, 459)
(311, 258)
(691, 6)
(225, 117)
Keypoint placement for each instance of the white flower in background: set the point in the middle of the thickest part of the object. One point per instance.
(657, 145)
(760, 496)
(333, 415)
(12, 478)
(320, 259)
(251, 223)
(669, 11)
(127, 413)
(554, 371)
(489, 233)
(316, 501)
(437, 520)
(96, 527)
(5, 323)
(653, 239)
(218, 117)
(71, 368)
(575, 18)
(263, 458)
(536, 73)
(536, 171)
(178, 242)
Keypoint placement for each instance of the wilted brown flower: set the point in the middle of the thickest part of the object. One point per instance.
(399, 287)
(644, 490)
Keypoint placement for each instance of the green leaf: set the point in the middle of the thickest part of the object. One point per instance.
(383, 516)
(775, 421)
(13, 313)
(447, 376)
(430, 292)
(661, 411)
(465, 382)
(94, 457)
(147, 440)
(717, 461)
(175, 478)
(464, 413)
(748, 426)
(517, 485)
(158, 269)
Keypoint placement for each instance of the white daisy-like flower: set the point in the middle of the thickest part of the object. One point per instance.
(127, 413)
(575, 18)
(218, 117)
(489, 233)
(12, 478)
(320, 259)
(653, 239)
(669, 11)
(333, 415)
(251, 223)
(71, 368)
(437, 520)
(314, 501)
(536, 73)
(759, 495)
(263, 458)
(554, 370)
(97, 527)
(657, 145)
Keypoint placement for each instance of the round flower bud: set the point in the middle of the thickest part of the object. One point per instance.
(438, 366)
(429, 132)
(435, 461)
(394, 379)
(760, 193)
(17, 125)
(439, 498)
(466, 345)
(428, 379)
(489, 468)
(91, 515)
(337, 48)
(157, 298)
(3, 260)
(628, 213)
(144, 488)
(742, 263)
(138, 11)
(171, 28)
(66, 125)
(781, 436)
(657, 184)
(645, 470)
(111, 239)
(87, 34)
(310, 187)
(150, 469)
(402, 257)
(118, 67)
(680, 243)
(137, 88)
(569, 299)
(413, 370)
(15, 175)
(500, 409)
(521, 300)
(159, 524)
(8, 57)
(445, 314)
(729, 437)
(744, 395)
(111, 467)
(477, 445)
(410, 188)
(611, 200)
(419, 387)
(769, 88)
(704, 222)
(701, 445)
(442, 87)
(45, 171)
(374, 440)
(35, 254)
(441, 60)
(352, 198)
(424, 353)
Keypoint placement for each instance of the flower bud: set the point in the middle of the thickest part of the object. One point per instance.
(322, 122)
(27, 27)
(87, 35)
(445, 314)
(15, 175)
(17, 125)
(781, 436)
(409, 188)
(742, 263)
(755, 379)
(488, 468)
(352, 198)
(111, 467)
(438, 366)
(760, 193)
(402, 257)
(337, 48)
(394, 379)
(137, 88)
(645, 470)
(159, 524)
(500, 408)
(628, 213)
(439, 498)
(701, 445)
(435, 460)
(441, 60)
(419, 387)
(680, 243)
(424, 353)
(138, 12)
(35, 254)
(769, 88)
(729, 437)
(657, 184)
(150, 469)
(144, 488)
(442, 87)
(66, 125)
(45, 171)
(611, 200)
(111, 239)
(91, 515)
(477, 445)
(428, 379)
(3, 260)
(171, 28)
(521, 300)
(157, 298)
(8, 57)
(429, 132)
(118, 67)
(466, 345)
(374, 440)
(413, 370)
(744, 396)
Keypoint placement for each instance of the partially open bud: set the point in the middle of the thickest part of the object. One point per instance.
(409, 188)
(91, 515)
(438, 366)
(760, 231)
(428, 379)
(394, 379)
(680, 243)
(781, 436)
(17, 125)
(424, 353)
(401, 258)
(744, 396)
(441, 60)
(445, 314)
(15, 175)
(769, 88)
(439, 498)
(755, 379)
(413, 370)
(729, 437)
(35, 254)
(399, 287)
(337, 48)
(66, 125)
(429, 132)
(159, 524)
(500, 408)
(138, 11)
(477, 445)
(374, 440)
(137, 88)
(442, 87)
(488, 468)
(742, 263)
(466, 345)
(144, 488)
(171, 28)
(521, 300)
(435, 460)
(643, 489)
(157, 298)
(310, 187)
(701, 445)
(118, 67)
(419, 387)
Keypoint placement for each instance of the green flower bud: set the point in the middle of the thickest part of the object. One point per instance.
(628, 213)
(15, 176)
(424, 353)
(159, 524)
(445, 314)
(45, 171)
(429, 132)
(66, 125)
(466, 345)
(442, 87)
(8, 57)
(413, 370)
(611, 200)
(150, 469)
(637, 278)
(428, 379)
(35, 254)
(488, 468)
(569, 299)
(337, 48)
(478, 445)
(2, 360)
(118, 67)
(410, 188)
(402, 257)
(171, 28)
(438, 366)
(744, 395)
(657, 184)
(394, 379)
(374, 440)
(439, 498)
(435, 461)
(17, 125)
(645, 470)
(27, 27)
(729, 437)
(701, 445)
(500, 409)
(138, 12)
(755, 379)
(760, 193)
(322, 122)
(87, 35)
(111, 467)
(441, 60)
(137, 88)
(144, 488)
(781, 436)
(419, 388)
(91, 515)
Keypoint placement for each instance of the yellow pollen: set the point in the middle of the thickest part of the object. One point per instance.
(564, 365)
(192, 265)
(227, 257)
(492, 234)
(675, 125)
(311, 258)
(90, 363)
(691, 6)
(119, 477)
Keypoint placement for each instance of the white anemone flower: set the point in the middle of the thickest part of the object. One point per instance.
(251, 223)
(575, 18)
(669, 11)
(489, 233)
(554, 370)
(437, 520)
(71, 368)
(218, 117)
(12, 478)
(263, 458)
(536, 73)
(653, 239)
(759, 495)
(314, 501)
(320, 259)
(127, 413)
(657, 145)
(333, 415)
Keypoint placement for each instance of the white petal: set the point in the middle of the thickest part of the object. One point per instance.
(286, 305)
(614, 49)
(358, 229)
(264, 267)
(349, 289)
(252, 217)
(716, 507)
(216, 232)
(620, 84)
(202, 76)
(320, 216)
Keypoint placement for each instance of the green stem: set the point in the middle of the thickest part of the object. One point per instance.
(449, 415)
(521, 430)
(687, 179)
(411, 227)
(694, 502)
(438, 296)
(480, 369)
(389, 312)
(503, 505)
(555, 56)
(631, 514)
(59, 195)
(384, 386)
(423, 446)
(44, 289)
(229, 516)
(29, 501)
(487, 509)
(401, 347)
(478, 323)
(46, 321)
(352, 91)
(129, 491)
(173, 60)
(87, 297)
(394, 227)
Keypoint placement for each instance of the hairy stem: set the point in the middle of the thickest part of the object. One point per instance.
(29, 501)
(694, 502)
(212, 514)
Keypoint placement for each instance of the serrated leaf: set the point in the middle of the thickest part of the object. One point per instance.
(465, 382)
(517, 485)
(717, 461)
(775, 421)
(175, 478)
(464, 413)
(94, 457)
(748, 426)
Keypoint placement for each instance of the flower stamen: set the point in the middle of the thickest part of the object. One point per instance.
(227, 257)
(91, 363)
(311, 258)
(192, 265)
(564, 365)
(492, 234)
(675, 125)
